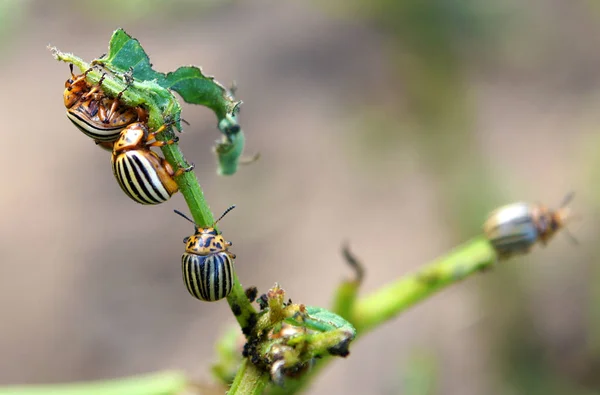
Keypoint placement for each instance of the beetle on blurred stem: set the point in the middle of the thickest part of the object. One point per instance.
(207, 263)
(515, 228)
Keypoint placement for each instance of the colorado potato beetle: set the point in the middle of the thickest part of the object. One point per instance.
(207, 264)
(515, 228)
(94, 113)
(142, 174)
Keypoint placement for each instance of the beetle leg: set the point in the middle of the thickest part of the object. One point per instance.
(160, 143)
(112, 111)
(96, 89)
(115, 104)
(182, 170)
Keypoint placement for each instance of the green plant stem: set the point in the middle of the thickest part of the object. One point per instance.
(388, 302)
(160, 383)
(190, 188)
(249, 380)
(345, 298)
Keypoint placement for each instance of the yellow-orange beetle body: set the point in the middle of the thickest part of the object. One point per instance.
(95, 114)
(142, 174)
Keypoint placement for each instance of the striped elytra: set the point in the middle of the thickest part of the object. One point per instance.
(207, 264)
(515, 228)
(95, 114)
(143, 175)
(208, 277)
(97, 119)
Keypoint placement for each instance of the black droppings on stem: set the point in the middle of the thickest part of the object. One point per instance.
(263, 301)
(340, 349)
(247, 330)
(251, 293)
(236, 309)
(246, 350)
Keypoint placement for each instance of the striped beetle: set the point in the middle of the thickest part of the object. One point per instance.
(515, 228)
(142, 174)
(95, 114)
(207, 264)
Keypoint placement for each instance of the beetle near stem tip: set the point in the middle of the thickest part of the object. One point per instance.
(515, 228)
(94, 113)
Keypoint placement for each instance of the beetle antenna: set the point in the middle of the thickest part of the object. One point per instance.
(225, 213)
(567, 199)
(571, 237)
(185, 216)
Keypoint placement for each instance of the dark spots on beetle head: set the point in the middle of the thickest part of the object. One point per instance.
(218, 245)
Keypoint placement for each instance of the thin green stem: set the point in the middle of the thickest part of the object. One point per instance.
(249, 380)
(160, 383)
(189, 186)
(389, 301)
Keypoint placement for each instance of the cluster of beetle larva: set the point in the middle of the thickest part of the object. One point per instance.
(145, 177)
(516, 228)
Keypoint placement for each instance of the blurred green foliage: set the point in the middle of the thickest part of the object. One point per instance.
(142, 10)
(434, 47)
(11, 12)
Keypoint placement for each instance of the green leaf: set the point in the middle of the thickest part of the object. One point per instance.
(126, 52)
(323, 320)
(197, 88)
(159, 101)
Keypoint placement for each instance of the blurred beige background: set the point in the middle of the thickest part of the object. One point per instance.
(393, 125)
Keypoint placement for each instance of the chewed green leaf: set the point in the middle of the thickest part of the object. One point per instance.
(229, 153)
(197, 88)
(160, 102)
(126, 53)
